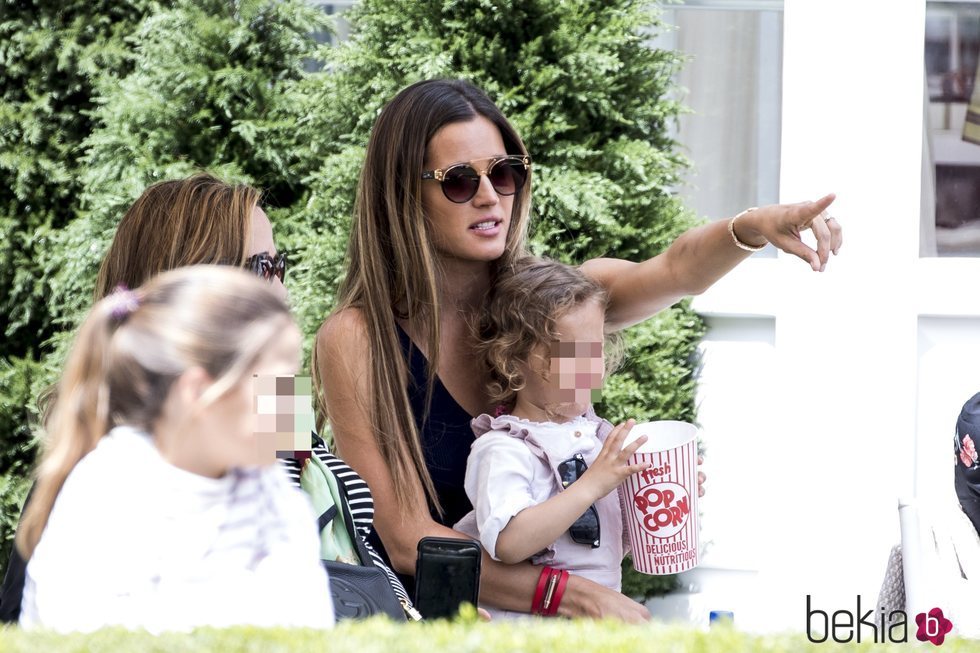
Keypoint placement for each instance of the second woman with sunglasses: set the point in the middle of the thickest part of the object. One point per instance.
(436, 217)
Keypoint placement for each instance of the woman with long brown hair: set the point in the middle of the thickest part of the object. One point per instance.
(443, 200)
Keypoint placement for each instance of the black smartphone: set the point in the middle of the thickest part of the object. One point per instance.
(447, 574)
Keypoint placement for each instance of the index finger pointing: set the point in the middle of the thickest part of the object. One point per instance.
(820, 205)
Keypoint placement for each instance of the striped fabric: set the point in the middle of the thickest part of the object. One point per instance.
(361, 506)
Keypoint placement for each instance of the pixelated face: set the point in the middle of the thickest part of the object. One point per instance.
(569, 376)
(283, 408)
(577, 369)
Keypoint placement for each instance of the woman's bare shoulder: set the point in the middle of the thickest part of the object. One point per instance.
(344, 333)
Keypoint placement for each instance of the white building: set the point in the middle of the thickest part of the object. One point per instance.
(826, 397)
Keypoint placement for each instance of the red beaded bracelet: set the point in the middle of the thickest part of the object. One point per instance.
(539, 592)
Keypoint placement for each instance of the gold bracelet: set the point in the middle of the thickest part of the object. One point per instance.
(552, 582)
(739, 243)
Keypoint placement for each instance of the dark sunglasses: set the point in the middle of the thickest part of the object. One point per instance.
(507, 175)
(585, 530)
(267, 266)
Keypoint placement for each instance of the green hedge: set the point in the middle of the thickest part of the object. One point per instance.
(530, 636)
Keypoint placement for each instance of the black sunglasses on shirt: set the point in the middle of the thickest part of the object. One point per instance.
(585, 530)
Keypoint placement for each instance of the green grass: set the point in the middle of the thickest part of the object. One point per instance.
(461, 636)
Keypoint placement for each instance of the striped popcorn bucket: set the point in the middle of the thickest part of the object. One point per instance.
(662, 502)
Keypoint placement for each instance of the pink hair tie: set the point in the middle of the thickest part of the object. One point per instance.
(501, 409)
(123, 302)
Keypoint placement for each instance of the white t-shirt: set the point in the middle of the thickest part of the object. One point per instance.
(136, 542)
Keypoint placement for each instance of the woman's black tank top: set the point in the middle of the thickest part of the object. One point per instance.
(446, 439)
(446, 435)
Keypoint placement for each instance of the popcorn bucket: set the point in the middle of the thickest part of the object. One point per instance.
(662, 502)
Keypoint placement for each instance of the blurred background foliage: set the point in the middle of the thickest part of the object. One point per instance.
(100, 99)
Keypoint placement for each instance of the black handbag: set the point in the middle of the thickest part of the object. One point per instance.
(358, 591)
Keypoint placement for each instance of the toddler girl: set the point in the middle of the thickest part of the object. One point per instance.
(541, 475)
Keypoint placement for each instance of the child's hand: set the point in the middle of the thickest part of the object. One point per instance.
(611, 466)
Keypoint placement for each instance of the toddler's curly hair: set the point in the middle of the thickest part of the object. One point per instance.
(528, 297)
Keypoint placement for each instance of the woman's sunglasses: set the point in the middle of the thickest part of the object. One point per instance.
(460, 182)
(267, 266)
(585, 530)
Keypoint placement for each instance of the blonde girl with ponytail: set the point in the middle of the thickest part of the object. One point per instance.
(155, 507)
